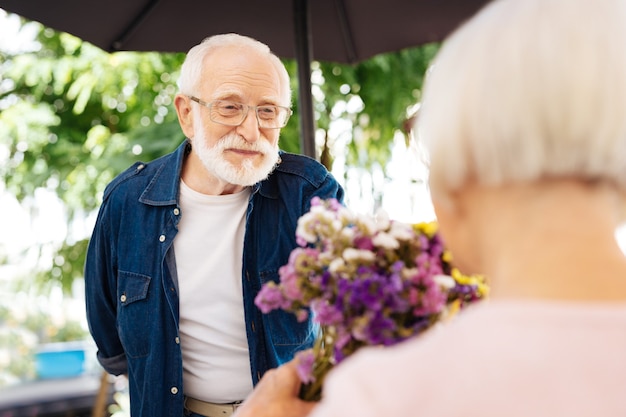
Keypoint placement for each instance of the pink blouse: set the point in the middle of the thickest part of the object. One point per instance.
(496, 359)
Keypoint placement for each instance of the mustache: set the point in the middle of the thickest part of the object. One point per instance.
(233, 140)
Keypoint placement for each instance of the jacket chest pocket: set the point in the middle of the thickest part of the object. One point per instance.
(133, 313)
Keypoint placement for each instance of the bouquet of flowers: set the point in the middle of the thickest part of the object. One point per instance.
(366, 282)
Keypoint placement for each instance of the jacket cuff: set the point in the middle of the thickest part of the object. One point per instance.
(115, 365)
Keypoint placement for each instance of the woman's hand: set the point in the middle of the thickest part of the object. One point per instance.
(276, 395)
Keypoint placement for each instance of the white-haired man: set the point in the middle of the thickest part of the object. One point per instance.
(182, 244)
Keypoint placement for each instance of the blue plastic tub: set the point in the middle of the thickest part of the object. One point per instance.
(60, 360)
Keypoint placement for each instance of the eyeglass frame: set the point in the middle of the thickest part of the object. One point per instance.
(247, 108)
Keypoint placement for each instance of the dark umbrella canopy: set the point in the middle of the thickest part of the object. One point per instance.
(345, 31)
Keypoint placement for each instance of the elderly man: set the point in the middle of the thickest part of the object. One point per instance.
(182, 244)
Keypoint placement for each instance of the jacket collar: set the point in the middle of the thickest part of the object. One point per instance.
(163, 187)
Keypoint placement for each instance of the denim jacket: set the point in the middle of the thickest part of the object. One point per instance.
(131, 281)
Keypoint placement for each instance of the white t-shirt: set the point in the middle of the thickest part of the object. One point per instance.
(209, 249)
(499, 359)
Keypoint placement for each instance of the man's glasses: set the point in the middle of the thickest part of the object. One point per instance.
(229, 113)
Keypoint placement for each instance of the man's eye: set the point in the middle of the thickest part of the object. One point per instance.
(229, 107)
(267, 112)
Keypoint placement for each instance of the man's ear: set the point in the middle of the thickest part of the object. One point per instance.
(185, 114)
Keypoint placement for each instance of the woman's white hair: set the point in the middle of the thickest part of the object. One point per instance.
(191, 70)
(529, 89)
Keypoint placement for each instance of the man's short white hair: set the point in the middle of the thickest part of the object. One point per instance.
(191, 70)
(529, 89)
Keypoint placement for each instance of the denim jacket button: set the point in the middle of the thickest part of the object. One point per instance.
(123, 298)
(162, 238)
(174, 390)
(177, 340)
(176, 211)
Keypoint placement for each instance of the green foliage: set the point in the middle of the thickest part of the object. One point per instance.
(386, 85)
(73, 116)
(67, 266)
(290, 134)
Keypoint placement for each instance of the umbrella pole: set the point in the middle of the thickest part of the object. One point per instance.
(302, 29)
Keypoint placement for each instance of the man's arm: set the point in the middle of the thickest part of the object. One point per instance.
(100, 299)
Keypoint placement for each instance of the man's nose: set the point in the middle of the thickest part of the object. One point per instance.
(249, 128)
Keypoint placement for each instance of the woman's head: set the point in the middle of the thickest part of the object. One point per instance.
(528, 90)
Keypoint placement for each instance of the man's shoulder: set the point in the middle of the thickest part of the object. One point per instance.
(138, 175)
(131, 172)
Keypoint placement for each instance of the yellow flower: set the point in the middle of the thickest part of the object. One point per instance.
(451, 310)
(477, 280)
(428, 228)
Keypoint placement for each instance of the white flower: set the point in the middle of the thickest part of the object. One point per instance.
(409, 272)
(347, 233)
(368, 224)
(351, 254)
(336, 265)
(326, 217)
(385, 240)
(306, 229)
(337, 225)
(445, 281)
(382, 219)
(317, 209)
(325, 258)
(346, 216)
(401, 231)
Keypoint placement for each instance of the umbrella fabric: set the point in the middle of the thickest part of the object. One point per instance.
(343, 31)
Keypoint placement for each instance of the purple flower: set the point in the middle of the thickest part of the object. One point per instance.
(365, 292)
(270, 297)
(291, 287)
(333, 204)
(374, 328)
(302, 315)
(432, 300)
(364, 242)
(316, 201)
(343, 338)
(301, 241)
(325, 313)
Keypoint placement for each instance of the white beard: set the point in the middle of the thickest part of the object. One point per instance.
(245, 175)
